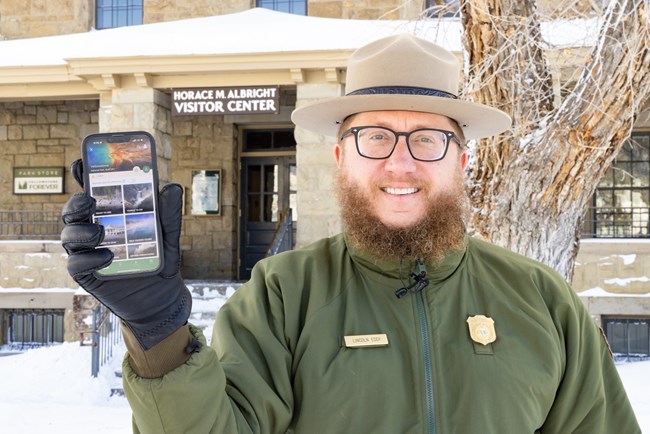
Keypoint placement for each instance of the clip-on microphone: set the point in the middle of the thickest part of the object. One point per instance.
(418, 285)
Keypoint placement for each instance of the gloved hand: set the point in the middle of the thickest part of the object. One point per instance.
(153, 306)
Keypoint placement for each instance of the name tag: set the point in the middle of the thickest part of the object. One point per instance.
(357, 341)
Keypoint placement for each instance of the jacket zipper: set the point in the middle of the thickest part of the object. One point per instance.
(428, 366)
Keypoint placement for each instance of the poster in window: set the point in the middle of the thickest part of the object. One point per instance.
(206, 192)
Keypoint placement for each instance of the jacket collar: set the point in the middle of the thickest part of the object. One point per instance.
(394, 268)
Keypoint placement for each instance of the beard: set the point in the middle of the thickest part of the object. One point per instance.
(441, 230)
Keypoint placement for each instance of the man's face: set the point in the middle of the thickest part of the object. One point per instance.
(399, 189)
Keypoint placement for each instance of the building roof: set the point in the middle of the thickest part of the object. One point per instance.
(255, 30)
(256, 46)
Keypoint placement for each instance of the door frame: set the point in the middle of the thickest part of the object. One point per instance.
(252, 154)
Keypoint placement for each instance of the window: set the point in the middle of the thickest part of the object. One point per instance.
(441, 8)
(33, 328)
(628, 338)
(298, 7)
(118, 13)
(266, 140)
(621, 204)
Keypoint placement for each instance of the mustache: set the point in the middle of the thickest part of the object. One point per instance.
(410, 180)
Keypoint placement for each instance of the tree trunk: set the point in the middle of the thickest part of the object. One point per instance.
(530, 187)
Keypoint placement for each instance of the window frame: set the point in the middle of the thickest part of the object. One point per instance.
(117, 11)
(30, 328)
(615, 221)
(275, 140)
(432, 8)
(274, 5)
(627, 321)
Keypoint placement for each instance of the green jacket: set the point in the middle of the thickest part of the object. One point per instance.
(279, 361)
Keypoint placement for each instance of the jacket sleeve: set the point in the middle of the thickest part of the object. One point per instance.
(189, 399)
(241, 384)
(591, 397)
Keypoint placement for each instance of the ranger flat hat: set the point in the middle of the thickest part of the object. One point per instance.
(402, 72)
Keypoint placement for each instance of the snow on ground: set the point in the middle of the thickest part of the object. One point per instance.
(51, 389)
(636, 377)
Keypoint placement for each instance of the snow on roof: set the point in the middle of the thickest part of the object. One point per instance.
(256, 30)
(600, 292)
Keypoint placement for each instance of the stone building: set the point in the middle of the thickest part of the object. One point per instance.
(61, 80)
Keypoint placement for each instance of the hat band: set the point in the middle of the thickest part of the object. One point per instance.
(402, 90)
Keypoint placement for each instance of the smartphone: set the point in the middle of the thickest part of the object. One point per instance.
(120, 172)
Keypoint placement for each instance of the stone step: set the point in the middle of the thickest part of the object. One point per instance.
(206, 289)
(207, 298)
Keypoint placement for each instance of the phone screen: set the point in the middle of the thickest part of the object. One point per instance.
(121, 176)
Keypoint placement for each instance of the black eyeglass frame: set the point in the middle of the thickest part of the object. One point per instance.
(354, 131)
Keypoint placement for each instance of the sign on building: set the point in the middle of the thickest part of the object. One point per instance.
(226, 100)
(38, 180)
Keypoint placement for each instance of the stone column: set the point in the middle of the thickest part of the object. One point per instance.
(140, 109)
(318, 215)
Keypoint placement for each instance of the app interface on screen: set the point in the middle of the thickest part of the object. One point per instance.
(121, 180)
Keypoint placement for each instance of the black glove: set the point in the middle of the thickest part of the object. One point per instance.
(152, 307)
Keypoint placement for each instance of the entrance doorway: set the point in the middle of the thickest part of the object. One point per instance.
(268, 192)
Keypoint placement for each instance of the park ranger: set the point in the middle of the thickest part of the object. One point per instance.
(401, 324)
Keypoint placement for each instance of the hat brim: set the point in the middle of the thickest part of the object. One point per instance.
(476, 120)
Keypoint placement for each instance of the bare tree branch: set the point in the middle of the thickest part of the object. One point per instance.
(530, 187)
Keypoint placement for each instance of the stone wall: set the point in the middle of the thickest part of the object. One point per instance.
(366, 9)
(140, 109)
(34, 264)
(34, 18)
(78, 322)
(612, 277)
(316, 166)
(42, 134)
(156, 11)
(33, 275)
(208, 243)
(616, 266)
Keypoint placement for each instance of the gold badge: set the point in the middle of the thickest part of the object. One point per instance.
(481, 329)
(356, 341)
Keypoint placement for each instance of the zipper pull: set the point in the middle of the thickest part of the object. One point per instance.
(421, 267)
(421, 281)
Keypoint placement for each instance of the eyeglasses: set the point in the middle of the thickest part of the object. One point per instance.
(378, 143)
